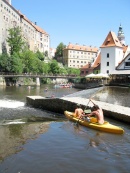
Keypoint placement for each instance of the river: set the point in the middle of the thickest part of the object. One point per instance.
(59, 146)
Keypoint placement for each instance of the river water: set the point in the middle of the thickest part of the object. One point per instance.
(59, 146)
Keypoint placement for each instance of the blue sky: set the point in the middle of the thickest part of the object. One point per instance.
(78, 21)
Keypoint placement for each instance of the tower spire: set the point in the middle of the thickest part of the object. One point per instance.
(121, 35)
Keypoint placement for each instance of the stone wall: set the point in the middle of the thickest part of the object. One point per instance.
(59, 105)
(51, 104)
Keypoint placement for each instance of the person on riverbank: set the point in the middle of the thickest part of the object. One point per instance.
(96, 111)
(78, 111)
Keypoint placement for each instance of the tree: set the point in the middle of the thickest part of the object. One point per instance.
(16, 63)
(59, 50)
(40, 55)
(11, 63)
(15, 40)
(73, 71)
(45, 68)
(5, 63)
(27, 59)
(54, 67)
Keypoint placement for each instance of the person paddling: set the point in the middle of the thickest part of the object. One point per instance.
(96, 111)
(78, 111)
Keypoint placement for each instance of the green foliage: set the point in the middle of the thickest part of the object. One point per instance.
(63, 71)
(40, 55)
(73, 71)
(54, 67)
(11, 63)
(15, 40)
(59, 50)
(5, 63)
(45, 68)
(30, 61)
(16, 64)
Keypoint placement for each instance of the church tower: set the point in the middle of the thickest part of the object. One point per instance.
(121, 35)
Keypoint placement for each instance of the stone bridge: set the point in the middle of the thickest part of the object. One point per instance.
(37, 76)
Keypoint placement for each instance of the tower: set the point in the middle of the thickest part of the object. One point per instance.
(111, 53)
(121, 35)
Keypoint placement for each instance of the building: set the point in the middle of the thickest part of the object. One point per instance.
(91, 68)
(113, 52)
(114, 57)
(76, 56)
(36, 37)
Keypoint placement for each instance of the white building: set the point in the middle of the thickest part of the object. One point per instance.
(76, 56)
(113, 52)
(36, 37)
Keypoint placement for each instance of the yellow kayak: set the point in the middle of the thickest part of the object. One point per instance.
(106, 127)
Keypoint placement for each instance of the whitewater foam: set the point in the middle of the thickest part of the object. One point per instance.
(11, 104)
(9, 122)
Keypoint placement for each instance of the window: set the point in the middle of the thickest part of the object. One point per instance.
(82, 72)
(127, 63)
(107, 71)
(107, 63)
(107, 55)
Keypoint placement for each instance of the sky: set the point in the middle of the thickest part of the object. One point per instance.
(77, 21)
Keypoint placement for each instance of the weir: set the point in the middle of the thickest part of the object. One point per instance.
(59, 105)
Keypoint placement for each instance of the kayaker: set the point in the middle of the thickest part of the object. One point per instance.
(96, 111)
(78, 111)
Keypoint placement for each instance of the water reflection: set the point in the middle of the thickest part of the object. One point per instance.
(114, 95)
(13, 136)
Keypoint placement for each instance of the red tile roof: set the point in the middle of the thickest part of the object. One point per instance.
(111, 40)
(97, 61)
(82, 48)
(31, 23)
(95, 64)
